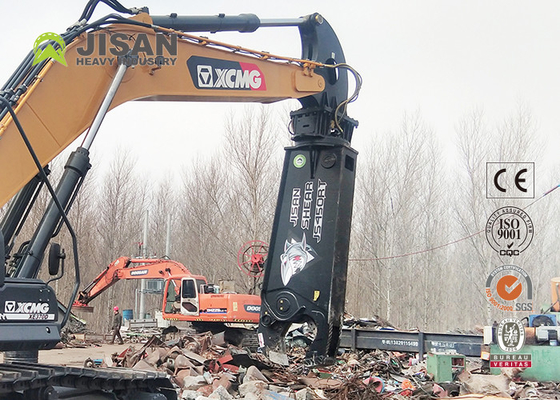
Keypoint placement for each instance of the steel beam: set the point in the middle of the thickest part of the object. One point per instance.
(414, 342)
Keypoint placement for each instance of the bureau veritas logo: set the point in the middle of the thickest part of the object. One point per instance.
(510, 361)
(511, 335)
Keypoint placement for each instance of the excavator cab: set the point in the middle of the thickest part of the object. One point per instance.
(171, 296)
(189, 297)
(182, 296)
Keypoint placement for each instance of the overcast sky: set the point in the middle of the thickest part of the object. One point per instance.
(441, 57)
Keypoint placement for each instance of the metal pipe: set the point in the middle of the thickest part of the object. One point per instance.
(94, 128)
(221, 22)
(277, 22)
(17, 211)
(208, 23)
(74, 171)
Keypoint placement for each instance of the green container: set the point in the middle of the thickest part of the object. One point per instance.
(444, 367)
(545, 363)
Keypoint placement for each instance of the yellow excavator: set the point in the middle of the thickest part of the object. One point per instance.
(63, 89)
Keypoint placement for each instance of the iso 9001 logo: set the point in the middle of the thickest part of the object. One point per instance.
(509, 288)
(509, 231)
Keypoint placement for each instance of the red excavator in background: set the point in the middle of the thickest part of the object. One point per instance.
(186, 297)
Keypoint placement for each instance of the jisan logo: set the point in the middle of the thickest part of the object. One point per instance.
(49, 50)
(209, 73)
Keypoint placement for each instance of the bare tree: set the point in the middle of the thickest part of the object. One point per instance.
(252, 146)
(230, 198)
(203, 219)
(398, 208)
(516, 139)
(163, 213)
(474, 144)
(121, 204)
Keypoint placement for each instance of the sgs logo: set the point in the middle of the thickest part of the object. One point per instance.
(509, 288)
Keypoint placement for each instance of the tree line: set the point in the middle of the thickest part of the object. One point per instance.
(419, 257)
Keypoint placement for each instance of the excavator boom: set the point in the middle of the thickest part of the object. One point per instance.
(130, 268)
(187, 68)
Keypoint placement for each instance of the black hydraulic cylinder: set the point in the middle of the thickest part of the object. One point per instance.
(215, 23)
(75, 170)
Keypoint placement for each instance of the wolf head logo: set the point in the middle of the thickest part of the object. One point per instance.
(294, 259)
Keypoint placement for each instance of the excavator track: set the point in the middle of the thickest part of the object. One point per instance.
(46, 382)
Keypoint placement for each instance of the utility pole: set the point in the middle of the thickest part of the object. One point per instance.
(143, 281)
(168, 237)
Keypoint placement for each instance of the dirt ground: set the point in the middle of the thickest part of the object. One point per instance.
(75, 357)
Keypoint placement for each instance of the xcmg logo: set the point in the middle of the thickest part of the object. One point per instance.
(211, 73)
(26, 308)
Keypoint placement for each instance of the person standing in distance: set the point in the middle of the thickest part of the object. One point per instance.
(117, 323)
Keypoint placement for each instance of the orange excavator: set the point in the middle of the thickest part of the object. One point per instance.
(186, 297)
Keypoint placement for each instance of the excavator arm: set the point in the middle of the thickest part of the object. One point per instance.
(130, 268)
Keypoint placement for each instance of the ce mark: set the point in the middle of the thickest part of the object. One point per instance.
(518, 180)
(510, 180)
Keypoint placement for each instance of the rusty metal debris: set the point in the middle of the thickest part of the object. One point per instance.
(203, 366)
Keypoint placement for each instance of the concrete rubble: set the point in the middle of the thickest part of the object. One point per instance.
(203, 367)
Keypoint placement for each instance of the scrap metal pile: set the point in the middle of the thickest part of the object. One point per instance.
(203, 366)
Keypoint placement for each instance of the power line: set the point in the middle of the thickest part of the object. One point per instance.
(446, 244)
